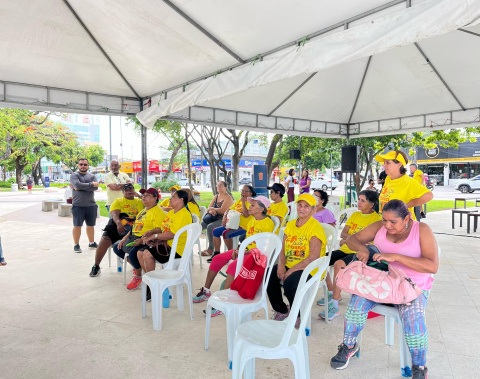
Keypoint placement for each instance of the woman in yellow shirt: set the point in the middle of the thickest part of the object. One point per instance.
(303, 242)
(192, 204)
(278, 208)
(149, 218)
(400, 186)
(176, 219)
(241, 205)
(366, 215)
(259, 223)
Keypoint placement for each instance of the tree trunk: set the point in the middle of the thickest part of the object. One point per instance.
(175, 151)
(40, 174)
(189, 168)
(4, 173)
(18, 171)
(271, 153)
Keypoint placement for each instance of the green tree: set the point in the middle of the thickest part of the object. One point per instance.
(173, 131)
(26, 137)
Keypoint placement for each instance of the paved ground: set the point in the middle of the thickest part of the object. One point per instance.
(57, 322)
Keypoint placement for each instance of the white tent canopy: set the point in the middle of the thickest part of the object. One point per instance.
(364, 67)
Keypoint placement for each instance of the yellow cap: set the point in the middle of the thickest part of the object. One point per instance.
(175, 187)
(391, 155)
(308, 198)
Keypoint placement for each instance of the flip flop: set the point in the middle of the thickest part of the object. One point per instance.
(3, 263)
(206, 254)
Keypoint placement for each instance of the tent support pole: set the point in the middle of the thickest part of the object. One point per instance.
(293, 93)
(144, 157)
(358, 94)
(196, 25)
(439, 76)
(100, 48)
(470, 32)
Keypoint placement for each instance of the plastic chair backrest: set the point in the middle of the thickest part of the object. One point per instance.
(305, 288)
(330, 207)
(276, 222)
(203, 211)
(195, 218)
(193, 233)
(292, 214)
(331, 234)
(270, 245)
(342, 217)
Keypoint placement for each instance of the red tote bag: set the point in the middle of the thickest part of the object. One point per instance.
(251, 273)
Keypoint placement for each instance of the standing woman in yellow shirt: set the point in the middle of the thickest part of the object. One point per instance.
(400, 186)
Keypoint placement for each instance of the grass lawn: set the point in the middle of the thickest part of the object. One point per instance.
(441, 205)
(103, 210)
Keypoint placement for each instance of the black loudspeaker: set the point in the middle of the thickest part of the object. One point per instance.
(295, 154)
(350, 158)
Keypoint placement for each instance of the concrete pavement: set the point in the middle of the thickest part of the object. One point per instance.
(56, 321)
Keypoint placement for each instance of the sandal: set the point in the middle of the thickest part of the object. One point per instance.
(3, 263)
(205, 253)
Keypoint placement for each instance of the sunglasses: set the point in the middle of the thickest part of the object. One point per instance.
(83, 164)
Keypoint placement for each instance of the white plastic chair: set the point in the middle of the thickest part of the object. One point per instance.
(292, 215)
(391, 316)
(159, 280)
(276, 222)
(269, 339)
(282, 227)
(330, 207)
(203, 211)
(341, 218)
(196, 220)
(234, 307)
(331, 234)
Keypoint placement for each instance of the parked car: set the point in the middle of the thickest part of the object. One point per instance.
(468, 185)
(183, 182)
(245, 181)
(324, 184)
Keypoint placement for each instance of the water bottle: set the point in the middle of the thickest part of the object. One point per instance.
(119, 264)
(166, 298)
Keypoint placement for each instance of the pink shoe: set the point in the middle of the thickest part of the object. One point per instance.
(134, 283)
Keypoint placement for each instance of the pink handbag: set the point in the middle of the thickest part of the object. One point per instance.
(392, 287)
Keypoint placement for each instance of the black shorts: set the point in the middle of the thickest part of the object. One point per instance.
(113, 235)
(84, 214)
(161, 255)
(339, 255)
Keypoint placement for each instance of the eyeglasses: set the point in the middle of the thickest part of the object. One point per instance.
(83, 164)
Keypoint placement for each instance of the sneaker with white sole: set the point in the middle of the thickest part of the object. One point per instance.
(136, 281)
(77, 249)
(92, 245)
(95, 271)
(203, 295)
(214, 312)
(321, 301)
(340, 361)
(332, 312)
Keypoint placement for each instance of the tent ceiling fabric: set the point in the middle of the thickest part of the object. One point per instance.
(399, 83)
(49, 61)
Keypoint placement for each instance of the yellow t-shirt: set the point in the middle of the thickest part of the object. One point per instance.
(148, 220)
(357, 222)
(417, 175)
(297, 241)
(278, 210)
(130, 207)
(237, 206)
(165, 203)
(404, 188)
(194, 209)
(173, 223)
(258, 226)
(111, 178)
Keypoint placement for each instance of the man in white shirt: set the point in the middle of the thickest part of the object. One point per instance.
(114, 181)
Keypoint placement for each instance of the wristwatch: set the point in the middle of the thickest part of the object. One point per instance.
(156, 235)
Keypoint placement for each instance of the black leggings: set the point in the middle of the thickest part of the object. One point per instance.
(274, 289)
(162, 255)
